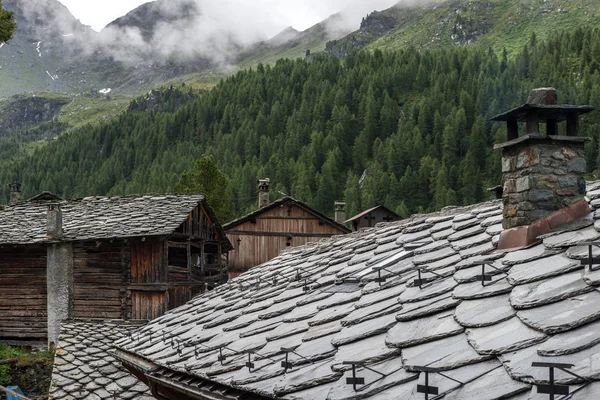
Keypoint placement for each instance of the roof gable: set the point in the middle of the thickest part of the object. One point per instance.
(383, 208)
(281, 202)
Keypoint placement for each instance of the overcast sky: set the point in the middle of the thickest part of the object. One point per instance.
(300, 14)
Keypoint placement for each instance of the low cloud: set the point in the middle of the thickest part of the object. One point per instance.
(187, 29)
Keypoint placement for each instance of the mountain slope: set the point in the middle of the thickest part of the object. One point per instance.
(414, 122)
(39, 48)
(53, 51)
(495, 23)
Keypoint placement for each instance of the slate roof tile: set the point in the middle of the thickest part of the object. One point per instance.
(99, 376)
(541, 305)
(93, 218)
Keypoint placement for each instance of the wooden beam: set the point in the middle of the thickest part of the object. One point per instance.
(572, 124)
(283, 234)
(512, 129)
(533, 123)
(180, 245)
(551, 127)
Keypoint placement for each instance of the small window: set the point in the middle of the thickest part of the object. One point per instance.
(178, 257)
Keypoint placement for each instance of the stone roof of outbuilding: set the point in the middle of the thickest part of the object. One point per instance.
(84, 369)
(380, 207)
(541, 305)
(92, 218)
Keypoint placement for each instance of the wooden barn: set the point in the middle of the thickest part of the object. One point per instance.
(372, 216)
(264, 233)
(129, 258)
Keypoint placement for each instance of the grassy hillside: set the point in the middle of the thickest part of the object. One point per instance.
(491, 23)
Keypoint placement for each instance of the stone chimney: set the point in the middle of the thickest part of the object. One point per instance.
(59, 275)
(263, 192)
(15, 193)
(542, 172)
(340, 212)
(54, 226)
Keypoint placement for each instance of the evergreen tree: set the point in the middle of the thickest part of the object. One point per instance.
(7, 24)
(206, 178)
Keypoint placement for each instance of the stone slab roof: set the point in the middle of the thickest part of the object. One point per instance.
(354, 299)
(360, 215)
(93, 218)
(84, 369)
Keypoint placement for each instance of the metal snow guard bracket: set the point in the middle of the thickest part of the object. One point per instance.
(591, 260)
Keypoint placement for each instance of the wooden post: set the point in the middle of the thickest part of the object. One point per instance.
(189, 259)
(533, 123)
(202, 257)
(512, 129)
(572, 124)
(551, 127)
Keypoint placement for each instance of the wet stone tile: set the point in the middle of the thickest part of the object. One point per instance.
(433, 327)
(441, 235)
(386, 307)
(541, 268)
(427, 307)
(470, 242)
(313, 350)
(430, 290)
(510, 335)
(549, 291)
(496, 384)
(447, 353)
(433, 256)
(331, 314)
(563, 315)
(435, 245)
(384, 294)
(370, 327)
(306, 377)
(475, 290)
(518, 365)
(529, 254)
(467, 373)
(473, 274)
(568, 239)
(571, 341)
(368, 351)
(317, 331)
(484, 312)
(396, 375)
(472, 230)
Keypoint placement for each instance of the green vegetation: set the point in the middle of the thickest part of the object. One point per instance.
(486, 23)
(414, 122)
(7, 24)
(206, 178)
(31, 371)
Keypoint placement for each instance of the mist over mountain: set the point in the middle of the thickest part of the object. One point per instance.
(153, 43)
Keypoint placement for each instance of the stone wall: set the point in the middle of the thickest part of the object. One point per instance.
(540, 179)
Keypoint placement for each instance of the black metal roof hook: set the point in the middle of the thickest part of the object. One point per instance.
(591, 261)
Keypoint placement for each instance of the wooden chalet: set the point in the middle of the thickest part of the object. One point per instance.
(263, 234)
(371, 217)
(130, 258)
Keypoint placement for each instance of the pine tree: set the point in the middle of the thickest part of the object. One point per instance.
(206, 178)
(7, 24)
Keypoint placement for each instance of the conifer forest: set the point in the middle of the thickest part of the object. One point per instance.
(408, 129)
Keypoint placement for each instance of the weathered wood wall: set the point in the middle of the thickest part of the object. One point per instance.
(99, 279)
(23, 307)
(272, 232)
